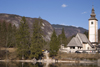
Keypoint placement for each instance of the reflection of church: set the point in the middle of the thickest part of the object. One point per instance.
(80, 42)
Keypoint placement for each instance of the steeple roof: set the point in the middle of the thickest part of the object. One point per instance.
(93, 14)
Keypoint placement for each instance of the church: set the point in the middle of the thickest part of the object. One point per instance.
(80, 42)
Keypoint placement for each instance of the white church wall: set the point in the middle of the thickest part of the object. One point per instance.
(67, 48)
(84, 47)
(93, 31)
(72, 50)
(87, 47)
(97, 31)
(62, 47)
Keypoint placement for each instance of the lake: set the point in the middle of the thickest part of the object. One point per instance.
(12, 64)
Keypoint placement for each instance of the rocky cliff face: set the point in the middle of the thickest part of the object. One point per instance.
(15, 20)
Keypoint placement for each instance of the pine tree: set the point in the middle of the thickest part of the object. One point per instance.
(0, 38)
(54, 44)
(9, 35)
(62, 38)
(23, 37)
(11, 32)
(37, 39)
(0, 34)
(86, 33)
(14, 30)
(3, 34)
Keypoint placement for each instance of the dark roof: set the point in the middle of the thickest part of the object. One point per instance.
(84, 39)
(93, 15)
(74, 42)
(78, 40)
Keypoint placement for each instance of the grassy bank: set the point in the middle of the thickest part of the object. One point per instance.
(11, 53)
(66, 56)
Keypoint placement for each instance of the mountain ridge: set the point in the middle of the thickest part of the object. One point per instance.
(15, 20)
(47, 27)
(69, 30)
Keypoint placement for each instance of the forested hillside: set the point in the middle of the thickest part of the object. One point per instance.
(69, 30)
(28, 46)
(15, 20)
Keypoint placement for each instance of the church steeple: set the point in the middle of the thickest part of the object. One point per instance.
(93, 14)
(93, 28)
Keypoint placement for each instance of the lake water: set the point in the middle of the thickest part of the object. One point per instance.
(12, 64)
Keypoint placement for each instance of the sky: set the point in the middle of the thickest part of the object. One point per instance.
(65, 12)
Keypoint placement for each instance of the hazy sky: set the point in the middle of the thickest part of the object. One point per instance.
(66, 12)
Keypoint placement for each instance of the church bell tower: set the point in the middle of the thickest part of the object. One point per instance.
(93, 28)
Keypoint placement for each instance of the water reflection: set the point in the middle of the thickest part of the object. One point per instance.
(12, 64)
(29, 65)
(72, 65)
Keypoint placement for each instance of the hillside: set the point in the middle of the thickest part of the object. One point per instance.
(15, 20)
(47, 27)
(69, 30)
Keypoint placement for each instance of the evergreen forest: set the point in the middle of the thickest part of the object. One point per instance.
(29, 46)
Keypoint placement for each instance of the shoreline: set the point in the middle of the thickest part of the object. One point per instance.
(49, 61)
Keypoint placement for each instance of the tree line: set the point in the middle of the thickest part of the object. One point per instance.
(28, 46)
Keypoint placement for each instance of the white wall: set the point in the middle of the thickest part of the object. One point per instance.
(87, 47)
(93, 31)
(72, 50)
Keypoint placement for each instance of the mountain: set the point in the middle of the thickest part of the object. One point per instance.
(47, 27)
(15, 20)
(69, 30)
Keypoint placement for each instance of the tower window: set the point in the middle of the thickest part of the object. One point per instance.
(91, 22)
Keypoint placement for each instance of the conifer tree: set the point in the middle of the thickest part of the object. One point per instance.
(54, 44)
(86, 33)
(14, 30)
(9, 35)
(37, 39)
(0, 34)
(0, 38)
(11, 32)
(62, 38)
(22, 38)
(3, 34)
